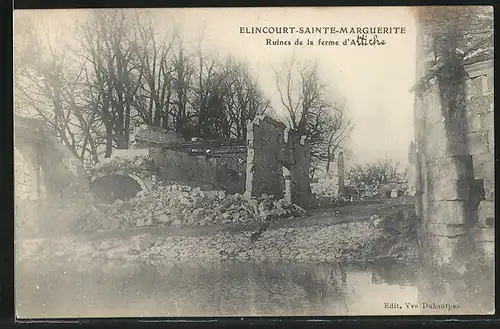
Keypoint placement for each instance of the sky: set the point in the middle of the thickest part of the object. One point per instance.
(373, 81)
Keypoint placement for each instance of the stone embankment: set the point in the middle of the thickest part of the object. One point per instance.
(365, 240)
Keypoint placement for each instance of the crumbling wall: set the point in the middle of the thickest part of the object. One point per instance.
(225, 172)
(51, 181)
(455, 182)
(145, 136)
(480, 121)
(266, 146)
(456, 159)
(300, 182)
(58, 171)
(278, 162)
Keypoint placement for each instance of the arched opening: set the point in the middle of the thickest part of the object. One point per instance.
(115, 187)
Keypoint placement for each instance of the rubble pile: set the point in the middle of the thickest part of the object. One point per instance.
(178, 205)
(142, 166)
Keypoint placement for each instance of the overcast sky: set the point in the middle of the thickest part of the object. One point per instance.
(374, 81)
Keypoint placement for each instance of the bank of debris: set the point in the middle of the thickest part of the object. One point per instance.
(169, 203)
(178, 205)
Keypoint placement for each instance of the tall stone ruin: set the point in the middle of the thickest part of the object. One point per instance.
(341, 177)
(277, 162)
(455, 170)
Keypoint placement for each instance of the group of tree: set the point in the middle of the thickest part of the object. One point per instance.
(119, 73)
(377, 174)
(310, 110)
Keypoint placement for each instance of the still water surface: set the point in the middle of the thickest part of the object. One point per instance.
(221, 289)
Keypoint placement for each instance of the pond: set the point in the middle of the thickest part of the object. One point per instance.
(217, 289)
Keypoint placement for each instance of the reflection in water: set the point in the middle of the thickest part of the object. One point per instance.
(222, 289)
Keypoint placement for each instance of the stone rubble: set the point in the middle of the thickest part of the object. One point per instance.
(142, 166)
(337, 243)
(180, 206)
(176, 205)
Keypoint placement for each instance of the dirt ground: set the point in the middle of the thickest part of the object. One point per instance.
(358, 211)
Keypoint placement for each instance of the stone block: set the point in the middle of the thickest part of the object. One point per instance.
(458, 145)
(479, 104)
(483, 166)
(475, 86)
(431, 105)
(448, 212)
(478, 143)
(483, 234)
(476, 190)
(446, 230)
(486, 213)
(487, 121)
(444, 250)
(434, 116)
(491, 141)
(435, 147)
(489, 190)
(448, 189)
(474, 121)
(490, 81)
(451, 167)
(446, 146)
(487, 248)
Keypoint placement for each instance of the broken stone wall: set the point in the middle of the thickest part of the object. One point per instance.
(146, 136)
(48, 177)
(266, 147)
(278, 162)
(300, 182)
(480, 123)
(455, 184)
(457, 178)
(226, 172)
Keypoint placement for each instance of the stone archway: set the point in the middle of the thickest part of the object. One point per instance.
(117, 186)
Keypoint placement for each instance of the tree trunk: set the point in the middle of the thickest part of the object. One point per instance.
(109, 140)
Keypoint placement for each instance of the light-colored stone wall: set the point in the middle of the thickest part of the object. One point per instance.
(455, 182)
(224, 172)
(277, 162)
(265, 140)
(480, 120)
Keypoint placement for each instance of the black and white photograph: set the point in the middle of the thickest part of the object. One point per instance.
(239, 162)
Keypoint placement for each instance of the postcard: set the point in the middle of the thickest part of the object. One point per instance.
(215, 162)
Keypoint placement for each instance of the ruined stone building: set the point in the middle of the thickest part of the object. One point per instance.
(49, 167)
(454, 164)
(273, 160)
(45, 174)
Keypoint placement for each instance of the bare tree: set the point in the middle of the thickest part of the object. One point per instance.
(182, 87)
(111, 73)
(377, 173)
(48, 85)
(152, 58)
(309, 111)
(206, 100)
(243, 97)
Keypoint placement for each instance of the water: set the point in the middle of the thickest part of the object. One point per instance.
(216, 289)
